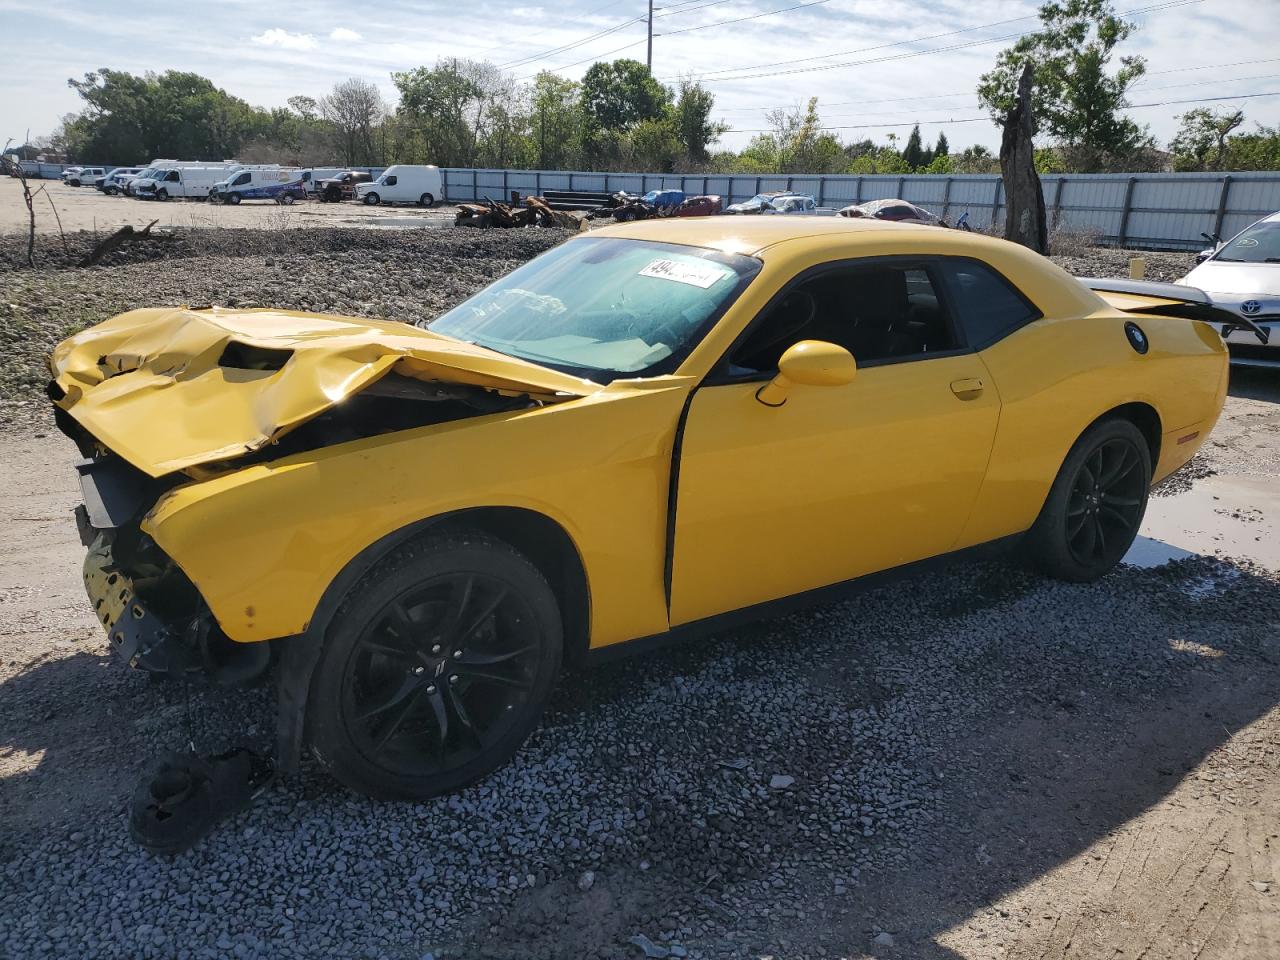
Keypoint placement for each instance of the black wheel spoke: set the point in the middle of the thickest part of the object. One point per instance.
(408, 686)
(1111, 500)
(469, 659)
(393, 723)
(400, 623)
(465, 723)
(386, 648)
(1088, 539)
(459, 598)
(441, 710)
(1107, 510)
(483, 675)
(1101, 535)
(477, 621)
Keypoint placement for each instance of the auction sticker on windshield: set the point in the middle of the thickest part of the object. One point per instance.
(700, 274)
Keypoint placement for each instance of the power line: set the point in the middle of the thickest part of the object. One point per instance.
(706, 26)
(930, 123)
(672, 10)
(949, 96)
(1169, 4)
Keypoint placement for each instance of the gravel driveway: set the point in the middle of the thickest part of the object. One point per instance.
(980, 763)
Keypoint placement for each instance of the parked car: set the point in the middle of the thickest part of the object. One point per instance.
(1243, 275)
(705, 205)
(113, 182)
(756, 203)
(341, 187)
(598, 448)
(793, 203)
(69, 172)
(193, 181)
(892, 209)
(404, 183)
(85, 175)
(281, 184)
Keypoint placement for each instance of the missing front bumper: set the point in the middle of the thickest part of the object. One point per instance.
(137, 635)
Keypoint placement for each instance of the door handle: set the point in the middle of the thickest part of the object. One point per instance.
(969, 389)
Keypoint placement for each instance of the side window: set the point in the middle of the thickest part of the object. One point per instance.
(242, 179)
(171, 176)
(391, 181)
(986, 305)
(880, 313)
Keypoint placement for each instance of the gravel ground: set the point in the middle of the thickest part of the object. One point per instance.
(972, 764)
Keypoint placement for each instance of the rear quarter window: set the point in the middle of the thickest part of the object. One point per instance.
(985, 305)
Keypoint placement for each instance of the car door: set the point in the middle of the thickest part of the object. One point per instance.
(839, 481)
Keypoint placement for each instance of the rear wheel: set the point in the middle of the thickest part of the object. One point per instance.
(1095, 505)
(435, 669)
(287, 199)
(371, 199)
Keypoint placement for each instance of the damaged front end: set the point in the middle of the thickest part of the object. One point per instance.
(153, 615)
(174, 404)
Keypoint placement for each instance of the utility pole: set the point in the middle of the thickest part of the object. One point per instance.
(649, 57)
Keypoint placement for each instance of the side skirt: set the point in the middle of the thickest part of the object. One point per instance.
(799, 601)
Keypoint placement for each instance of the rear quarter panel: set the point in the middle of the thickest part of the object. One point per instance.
(1057, 376)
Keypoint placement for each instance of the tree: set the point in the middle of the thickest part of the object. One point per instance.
(1074, 98)
(308, 108)
(355, 109)
(619, 94)
(943, 148)
(694, 127)
(1201, 140)
(556, 122)
(913, 152)
(1024, 220)
(436, 106)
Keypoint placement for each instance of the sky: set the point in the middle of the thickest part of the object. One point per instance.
(863, 59)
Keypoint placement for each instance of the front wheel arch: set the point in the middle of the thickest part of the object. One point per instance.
(542, 540)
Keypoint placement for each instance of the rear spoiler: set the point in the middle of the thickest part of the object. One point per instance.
(1175, 300)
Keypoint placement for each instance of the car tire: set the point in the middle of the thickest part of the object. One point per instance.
(287, 199)
(1095, 506)
(426, 200)
(162, 194)
(480, 646)
(233, 198)
(372, 199)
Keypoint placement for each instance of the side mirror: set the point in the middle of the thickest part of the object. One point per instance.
(814, 363)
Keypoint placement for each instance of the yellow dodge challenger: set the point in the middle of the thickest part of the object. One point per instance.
(649, 431)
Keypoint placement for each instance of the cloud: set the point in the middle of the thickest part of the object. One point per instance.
(276, 37)
(342, 33)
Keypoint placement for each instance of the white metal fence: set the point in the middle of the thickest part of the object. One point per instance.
(1150, 210)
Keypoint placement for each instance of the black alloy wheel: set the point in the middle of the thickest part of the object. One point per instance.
(1107, 500)
(1095, 506)
(436, 669)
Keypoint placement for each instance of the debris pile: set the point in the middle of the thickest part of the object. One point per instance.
(534, 213)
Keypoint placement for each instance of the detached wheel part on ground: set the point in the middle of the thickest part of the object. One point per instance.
(372, 199)
(426, 200)
(1095, 505)
(435, 669)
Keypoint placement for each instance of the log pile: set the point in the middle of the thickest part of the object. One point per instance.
(534, 213)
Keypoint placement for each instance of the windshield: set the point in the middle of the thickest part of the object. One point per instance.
(1257, 244)
(601, 307)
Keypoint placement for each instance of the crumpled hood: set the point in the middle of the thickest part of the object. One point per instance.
(171, 388)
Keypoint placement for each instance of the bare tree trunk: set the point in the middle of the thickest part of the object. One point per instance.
(1024, 220)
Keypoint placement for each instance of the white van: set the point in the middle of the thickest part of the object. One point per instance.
(281, 184)
(404, 183)
(184, 180)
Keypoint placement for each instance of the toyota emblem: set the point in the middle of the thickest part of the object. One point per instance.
(1250, 307)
